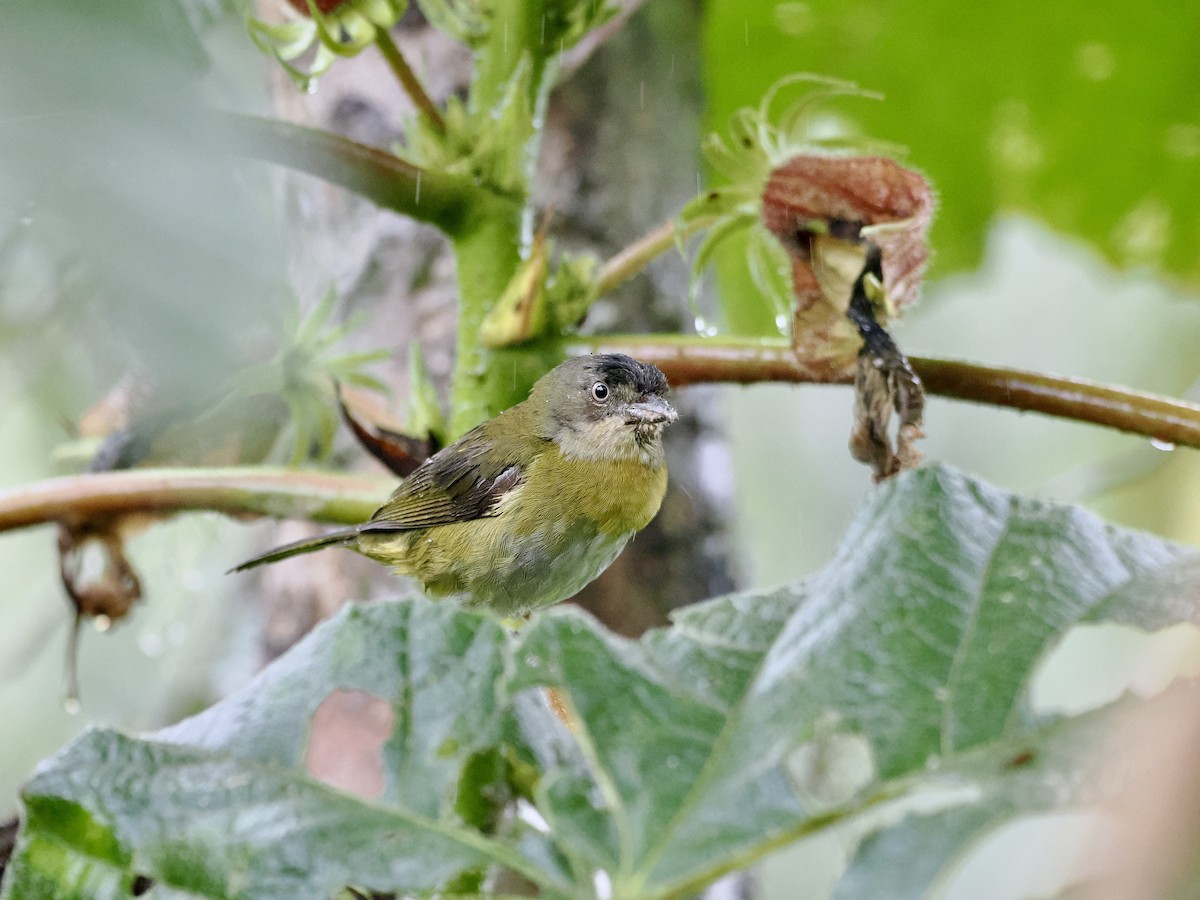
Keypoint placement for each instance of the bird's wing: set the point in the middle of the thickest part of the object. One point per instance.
(465, 481)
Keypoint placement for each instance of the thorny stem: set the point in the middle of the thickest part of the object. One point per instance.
(687, 360)
(408, 79)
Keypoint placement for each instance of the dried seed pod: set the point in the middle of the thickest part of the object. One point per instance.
(824, 209)
(99, 579)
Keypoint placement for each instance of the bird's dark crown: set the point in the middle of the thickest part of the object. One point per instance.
(617, 368)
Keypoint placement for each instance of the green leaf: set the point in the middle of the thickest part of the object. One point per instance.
(888, 696)
(920, 636)
(221, 805)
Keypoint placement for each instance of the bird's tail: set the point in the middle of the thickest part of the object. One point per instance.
(308, 545)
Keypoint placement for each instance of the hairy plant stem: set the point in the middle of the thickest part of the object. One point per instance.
(283, 493)
(408, 79)
(691, 360)
(489, 247)
(629, 261)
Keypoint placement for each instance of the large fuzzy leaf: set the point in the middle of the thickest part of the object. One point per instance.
(890, 694)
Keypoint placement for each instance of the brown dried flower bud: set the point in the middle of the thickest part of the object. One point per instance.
(841, 195)
(819, 207)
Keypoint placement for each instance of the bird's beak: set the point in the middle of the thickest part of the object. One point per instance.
(651, 410)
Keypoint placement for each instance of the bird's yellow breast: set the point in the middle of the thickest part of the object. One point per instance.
(619, 496)
(547, 538)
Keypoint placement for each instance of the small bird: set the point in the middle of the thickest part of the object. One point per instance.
(526, 509)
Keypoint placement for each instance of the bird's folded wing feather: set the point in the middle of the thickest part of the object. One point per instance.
(465, 481)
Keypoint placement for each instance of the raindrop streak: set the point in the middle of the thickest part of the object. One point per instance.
(1160, 444)
(642, 95)
(417, 192)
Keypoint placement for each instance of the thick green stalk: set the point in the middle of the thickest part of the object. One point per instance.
(489, 247)
(516, 30)
(487, 381)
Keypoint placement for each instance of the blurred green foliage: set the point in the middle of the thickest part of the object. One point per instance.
(1083, 115)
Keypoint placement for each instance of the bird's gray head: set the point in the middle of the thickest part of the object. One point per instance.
(606, 406)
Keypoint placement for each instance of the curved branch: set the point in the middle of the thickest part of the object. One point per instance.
(348, 499)
(690, 360)
(632, 259)
(1161, 418)
(446, 201)
(320, 497)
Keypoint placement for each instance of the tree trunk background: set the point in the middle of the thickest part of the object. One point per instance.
(619, 156)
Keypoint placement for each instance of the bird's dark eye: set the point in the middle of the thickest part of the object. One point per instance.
(599, 391)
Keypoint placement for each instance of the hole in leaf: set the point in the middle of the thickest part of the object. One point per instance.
(345, 743)
(832, 768)
(1094, 665)
(1055, 851)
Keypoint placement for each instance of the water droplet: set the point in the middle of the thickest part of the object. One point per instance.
(1007, 597)
(794, 18)
(533, 660)
(941, 694)
(782, 322)
(1183, 141)
(1158, 444)
(71, 706)
(672, 762)
(102, 623)
(1095, 61)
(1012, 142)
(1143, 233)
(704, 329)
(602, 885)
(151, 644)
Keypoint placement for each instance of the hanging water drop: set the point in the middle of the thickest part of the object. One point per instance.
(1159, 444)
